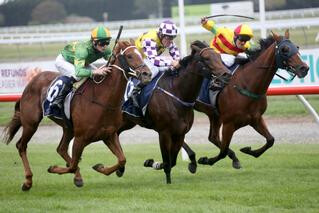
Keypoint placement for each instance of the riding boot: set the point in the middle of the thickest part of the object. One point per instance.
(59, 99)
(136, 90)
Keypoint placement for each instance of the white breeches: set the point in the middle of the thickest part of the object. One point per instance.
(66, 68)
(154, 69)
(228, 60)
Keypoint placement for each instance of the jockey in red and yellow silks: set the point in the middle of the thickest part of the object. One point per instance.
(229, 41)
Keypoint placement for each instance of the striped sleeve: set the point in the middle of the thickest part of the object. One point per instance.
(149, 48)
(210, 26)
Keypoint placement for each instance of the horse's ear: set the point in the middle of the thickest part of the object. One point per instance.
(287, 34)
(195, 48)
(132, 41)
(275, 36)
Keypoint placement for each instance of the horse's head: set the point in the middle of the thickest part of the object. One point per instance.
(130, 60)
(209, 61)
(288, 56)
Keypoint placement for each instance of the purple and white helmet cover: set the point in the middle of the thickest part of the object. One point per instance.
(168, 28)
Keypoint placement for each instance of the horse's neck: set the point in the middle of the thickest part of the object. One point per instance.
(112, 88)
(187, 85)
(257, 76)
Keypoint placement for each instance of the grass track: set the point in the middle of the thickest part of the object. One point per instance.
(284, 179)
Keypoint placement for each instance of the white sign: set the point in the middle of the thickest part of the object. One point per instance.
(311, 57)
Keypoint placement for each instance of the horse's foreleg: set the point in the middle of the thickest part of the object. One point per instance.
(192, 166)
(62, 149)
(165, 145)
(114, 145)
(126, 125)
(261, 128)
(215, 139)
(227, 134)
(77, 150)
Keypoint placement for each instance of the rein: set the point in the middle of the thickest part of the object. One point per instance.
(126, 70)
(184, 103)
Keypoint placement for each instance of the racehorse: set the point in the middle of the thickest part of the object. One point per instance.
(95, 113)
(170, 110)
(243, 101)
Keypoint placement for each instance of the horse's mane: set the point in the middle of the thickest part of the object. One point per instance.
(263, 45)
(201, 44)
(118, 47)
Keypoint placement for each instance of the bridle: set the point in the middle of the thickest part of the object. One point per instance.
(127, 70)
(281, 57)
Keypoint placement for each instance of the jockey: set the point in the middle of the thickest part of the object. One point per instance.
(75, 58)
(151, 45)
(227, 42)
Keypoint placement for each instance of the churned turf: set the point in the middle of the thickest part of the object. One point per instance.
(284, 179)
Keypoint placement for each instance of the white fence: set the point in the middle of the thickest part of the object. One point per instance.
(132, 28)
(45, 37)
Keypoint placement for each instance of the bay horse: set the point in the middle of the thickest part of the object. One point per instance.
(95, 113)
(170, 110)
(243, 101)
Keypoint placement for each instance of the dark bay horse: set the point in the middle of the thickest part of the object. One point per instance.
(170, 110)
(243, 101)
(96, 113)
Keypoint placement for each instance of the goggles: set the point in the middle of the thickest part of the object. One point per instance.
(243, 38)
(171, 38)
(103, 43)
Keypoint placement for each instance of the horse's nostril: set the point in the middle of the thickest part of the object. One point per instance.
(305, 68)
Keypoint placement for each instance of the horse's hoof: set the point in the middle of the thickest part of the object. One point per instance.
(192, 168)
(78, 182)
(26, 187)
(246, 150)
(97, 167)
(236, 165)
(120, 171)
(203, 160)
(148, 163)
(211, 161)
(51, 169)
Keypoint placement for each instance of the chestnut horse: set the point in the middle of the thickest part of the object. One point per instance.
(243, 101)
(170, 110)
(95, 113)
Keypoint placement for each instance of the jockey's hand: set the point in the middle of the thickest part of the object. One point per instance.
(203, 20)
(102, 71)
(175, 64)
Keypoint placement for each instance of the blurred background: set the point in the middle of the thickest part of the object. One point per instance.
(38, 29)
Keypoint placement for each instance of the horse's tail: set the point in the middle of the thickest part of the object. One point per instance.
(12, 128)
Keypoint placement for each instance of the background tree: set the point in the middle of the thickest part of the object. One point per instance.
(47, 12)
(1, 19)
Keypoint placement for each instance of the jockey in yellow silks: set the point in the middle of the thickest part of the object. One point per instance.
(227, 42)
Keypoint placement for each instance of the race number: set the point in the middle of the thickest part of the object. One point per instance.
(54, 90)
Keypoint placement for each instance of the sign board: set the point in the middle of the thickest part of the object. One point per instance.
(14, 77)
(201, 10)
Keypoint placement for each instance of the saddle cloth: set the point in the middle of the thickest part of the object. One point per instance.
(143, 97)
(52, 92)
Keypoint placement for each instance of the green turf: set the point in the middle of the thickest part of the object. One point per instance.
(284, 179)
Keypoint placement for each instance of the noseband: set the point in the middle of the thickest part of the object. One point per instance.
(125, 67)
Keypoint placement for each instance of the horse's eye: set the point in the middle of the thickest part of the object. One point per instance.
(285, 50)
(129, 56)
